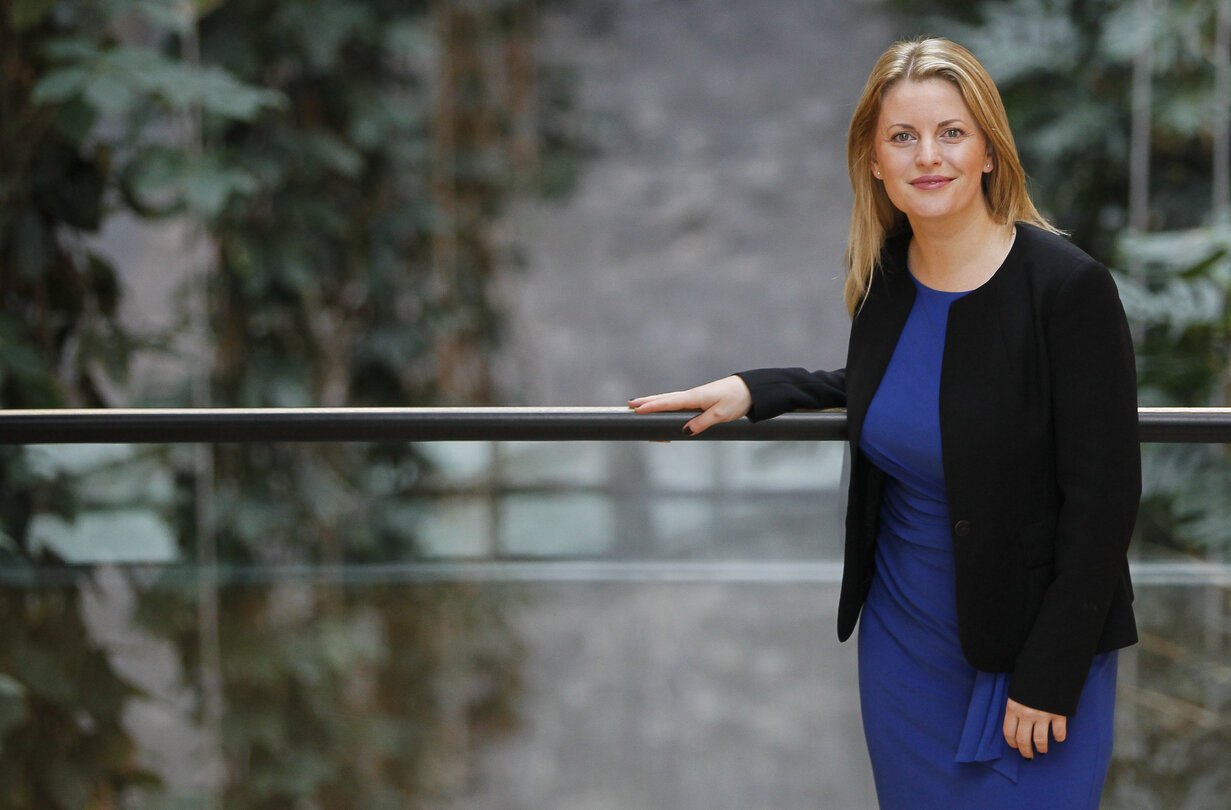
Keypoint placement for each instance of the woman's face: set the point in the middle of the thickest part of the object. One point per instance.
(930, 153)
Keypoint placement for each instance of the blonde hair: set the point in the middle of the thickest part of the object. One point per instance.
(873, 216)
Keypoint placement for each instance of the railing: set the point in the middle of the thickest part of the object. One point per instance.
(537, 424)
(221, 425)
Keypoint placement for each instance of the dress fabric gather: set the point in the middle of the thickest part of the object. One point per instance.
(932, 722)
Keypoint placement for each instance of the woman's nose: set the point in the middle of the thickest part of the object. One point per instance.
(928, 153)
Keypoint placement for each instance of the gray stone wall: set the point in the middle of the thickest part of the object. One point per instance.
(706, 236)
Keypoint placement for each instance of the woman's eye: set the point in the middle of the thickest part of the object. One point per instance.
(900, 137)
(952, 132)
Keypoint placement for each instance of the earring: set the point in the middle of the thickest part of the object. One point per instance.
(989, 166)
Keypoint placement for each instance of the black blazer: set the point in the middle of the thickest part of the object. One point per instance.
(1038, 421)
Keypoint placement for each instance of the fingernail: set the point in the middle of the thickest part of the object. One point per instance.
(687, 430)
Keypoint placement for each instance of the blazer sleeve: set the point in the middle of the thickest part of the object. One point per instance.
(1098, 464)
(778, 390)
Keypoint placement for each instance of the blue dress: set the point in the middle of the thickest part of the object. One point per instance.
(932, 722)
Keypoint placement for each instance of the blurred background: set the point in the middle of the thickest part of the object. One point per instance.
(250, 203)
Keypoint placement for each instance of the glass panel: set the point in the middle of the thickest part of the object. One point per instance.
(573, 625)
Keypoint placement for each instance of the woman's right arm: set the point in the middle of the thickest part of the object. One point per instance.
(758, 394)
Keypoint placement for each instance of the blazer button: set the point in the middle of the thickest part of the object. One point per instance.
(961, 528)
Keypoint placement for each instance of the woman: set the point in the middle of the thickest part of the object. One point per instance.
(991, 409)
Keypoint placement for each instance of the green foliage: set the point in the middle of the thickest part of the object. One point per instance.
(352, 697)
(368, 202)
(356, 256)
(76, 107)
(116, 81)
(347, 160)
(81, 111)
(1175, 751)
(1064, 69)
(1178, 294)
(61, 741)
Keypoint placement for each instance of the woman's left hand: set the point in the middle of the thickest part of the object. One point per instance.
(1026, 729)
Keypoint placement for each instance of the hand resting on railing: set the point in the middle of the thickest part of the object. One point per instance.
(722, 400)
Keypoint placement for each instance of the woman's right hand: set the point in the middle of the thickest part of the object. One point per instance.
(722, 400)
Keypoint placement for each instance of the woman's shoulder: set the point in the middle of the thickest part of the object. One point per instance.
(1060, 273)
(1050, 256)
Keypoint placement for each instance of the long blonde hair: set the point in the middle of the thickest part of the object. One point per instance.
(873, 216)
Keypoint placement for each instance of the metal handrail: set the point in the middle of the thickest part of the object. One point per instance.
(595, 569)
(225, 425)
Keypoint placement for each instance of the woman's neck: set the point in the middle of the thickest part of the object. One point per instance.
(958, 257)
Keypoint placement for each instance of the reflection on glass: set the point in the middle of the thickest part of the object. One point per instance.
(465, 668)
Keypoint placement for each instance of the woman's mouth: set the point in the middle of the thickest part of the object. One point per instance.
(930, 181)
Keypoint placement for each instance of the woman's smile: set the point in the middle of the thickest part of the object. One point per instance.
(931, 181)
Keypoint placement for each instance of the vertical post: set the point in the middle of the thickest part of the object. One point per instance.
(210, 646)
(446, 215)
(497, 487)
(1221, 203)
(520, 66)
(463, 256)
(1139, 160)
(1215, 595)
(444, 235)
